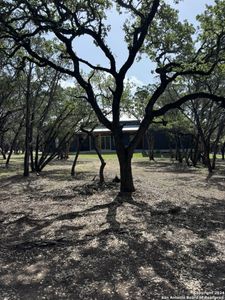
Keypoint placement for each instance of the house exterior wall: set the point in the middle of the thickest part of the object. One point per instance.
(161, 142)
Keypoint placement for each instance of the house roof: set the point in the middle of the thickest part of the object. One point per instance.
(124, 117)
(126, 128)
(130, 124)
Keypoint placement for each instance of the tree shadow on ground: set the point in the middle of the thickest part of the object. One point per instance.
(166, 166)
(62, 175)
(120, 249)
(55, 173)
(34, 185)
(9, 180)
(217, 181)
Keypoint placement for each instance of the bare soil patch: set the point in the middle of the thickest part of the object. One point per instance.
(69, 238)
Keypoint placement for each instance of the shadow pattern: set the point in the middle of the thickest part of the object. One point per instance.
(121, 260)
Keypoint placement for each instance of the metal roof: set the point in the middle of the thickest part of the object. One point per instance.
(126, 128)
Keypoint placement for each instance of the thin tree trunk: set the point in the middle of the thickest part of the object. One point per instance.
(195, 155)
(214, 160)
(223, 151)
(32, 163)
(2, 146)
(150, 141)
(103, 163)
(27, 134)
(216, 142)
(76, 157)
(46, 157)
(14, 143)
(178, 152)
(3, 154)
(36, 159)
(207, 160)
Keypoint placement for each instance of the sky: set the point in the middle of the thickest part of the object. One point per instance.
(140, 73)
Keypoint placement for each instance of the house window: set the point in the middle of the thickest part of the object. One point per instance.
(106, 142)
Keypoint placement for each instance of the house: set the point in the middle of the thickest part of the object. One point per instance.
(105, 140)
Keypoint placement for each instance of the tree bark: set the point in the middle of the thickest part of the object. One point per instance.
(32, 164)
(28, 124)
(103, 163)
(216, 143)
(3, 154)
(178, 151)
(195, 150)
(223, 151)
(150, 141)
(32, 159)
(36, 159)
(126, 177)
(214, 160)
(206, 158)
(76, 156)
(14, 142)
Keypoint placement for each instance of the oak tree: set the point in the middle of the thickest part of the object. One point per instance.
(151, 27)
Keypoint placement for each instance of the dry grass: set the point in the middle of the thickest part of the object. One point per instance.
(69, 238)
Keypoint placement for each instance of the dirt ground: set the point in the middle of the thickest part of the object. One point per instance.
(69, 238)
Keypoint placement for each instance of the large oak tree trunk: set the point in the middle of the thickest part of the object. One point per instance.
(126, 177)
